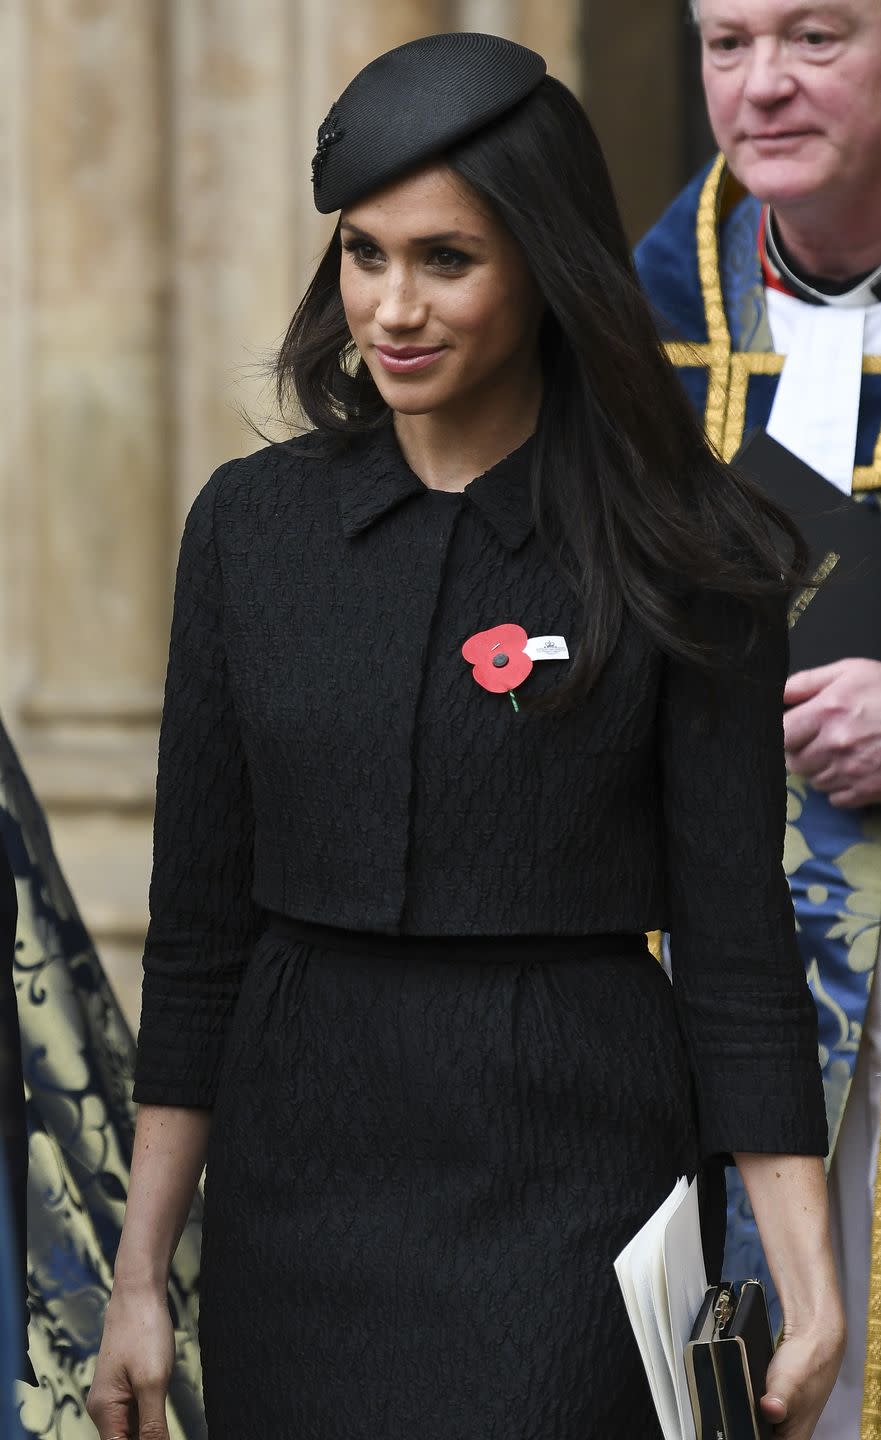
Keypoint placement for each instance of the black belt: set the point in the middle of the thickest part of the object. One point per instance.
(484, 949)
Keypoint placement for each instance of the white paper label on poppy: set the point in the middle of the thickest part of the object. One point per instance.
(547, 647)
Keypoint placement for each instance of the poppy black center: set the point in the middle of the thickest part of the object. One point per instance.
(500, 661)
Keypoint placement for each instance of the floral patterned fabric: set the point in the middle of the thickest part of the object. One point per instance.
(13, 1150)
(833, 860)
(77, 1057)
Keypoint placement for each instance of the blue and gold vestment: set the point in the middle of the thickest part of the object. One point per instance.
(701, 269)
(78, 1060)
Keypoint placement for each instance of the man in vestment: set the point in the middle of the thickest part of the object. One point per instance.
(766, 277)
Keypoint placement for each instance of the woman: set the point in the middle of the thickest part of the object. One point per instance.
(397, 984)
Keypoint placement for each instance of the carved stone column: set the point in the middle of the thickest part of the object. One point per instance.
(98, 382)
(99, 358)
(232, 86)
(551, 29)
(16, 494)
(250, 85)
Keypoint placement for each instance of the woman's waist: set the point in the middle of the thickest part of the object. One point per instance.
(481, 948)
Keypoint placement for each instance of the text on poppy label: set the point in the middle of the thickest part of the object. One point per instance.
(547, 647)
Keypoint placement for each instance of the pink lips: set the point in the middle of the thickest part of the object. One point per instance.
(408, 358)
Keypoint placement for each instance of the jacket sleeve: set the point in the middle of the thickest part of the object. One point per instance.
(203, 921)
(741, 994)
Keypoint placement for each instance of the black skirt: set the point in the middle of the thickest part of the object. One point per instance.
(424, 1156)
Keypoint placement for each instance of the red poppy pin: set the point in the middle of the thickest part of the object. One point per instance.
(499, 659)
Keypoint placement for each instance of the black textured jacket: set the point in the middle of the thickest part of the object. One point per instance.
(327, 753)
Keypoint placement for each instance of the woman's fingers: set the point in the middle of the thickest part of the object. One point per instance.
(152, 1424)
(800, 1378)
(136, 1416)
(112, 1418)
(133, 1369)
(143, 1420)
(774, 1408)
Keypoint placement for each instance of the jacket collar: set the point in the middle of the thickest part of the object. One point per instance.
(376, 479)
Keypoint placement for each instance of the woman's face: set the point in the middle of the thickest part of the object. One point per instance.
(438, 296)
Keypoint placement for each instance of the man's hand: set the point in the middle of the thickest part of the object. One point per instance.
(833, 730)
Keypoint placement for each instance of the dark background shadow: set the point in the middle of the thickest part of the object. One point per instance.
(642, 88)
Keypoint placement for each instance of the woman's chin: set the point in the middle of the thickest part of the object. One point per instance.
(413, 407)
(405, 398)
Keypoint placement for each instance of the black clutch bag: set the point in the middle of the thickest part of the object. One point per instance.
(726, 1363)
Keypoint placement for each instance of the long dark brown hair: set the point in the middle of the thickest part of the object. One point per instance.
(636, 509)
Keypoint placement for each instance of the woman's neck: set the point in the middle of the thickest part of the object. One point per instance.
(447, 450)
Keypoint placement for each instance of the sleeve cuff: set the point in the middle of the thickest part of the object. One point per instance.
(762, 1108)
(181, 1044)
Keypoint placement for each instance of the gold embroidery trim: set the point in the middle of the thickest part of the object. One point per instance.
(685, 355)
(867, 477)
(655, 944)
(719, 346)
(729, 375)
(804, 597)
(870, 1428)
(743, 365)
(739, 368)
(708, 255)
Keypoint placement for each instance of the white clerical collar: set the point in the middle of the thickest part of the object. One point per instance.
(864, 293)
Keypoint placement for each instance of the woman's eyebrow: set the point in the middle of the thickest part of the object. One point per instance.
(443, 238)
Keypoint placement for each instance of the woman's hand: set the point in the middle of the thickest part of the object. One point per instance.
(133, 1370)
(801, 1376)
(132, 1374)
(788, 1197)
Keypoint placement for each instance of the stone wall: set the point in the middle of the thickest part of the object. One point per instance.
(155, 233)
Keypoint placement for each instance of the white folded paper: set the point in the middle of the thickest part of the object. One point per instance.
(663, 1280)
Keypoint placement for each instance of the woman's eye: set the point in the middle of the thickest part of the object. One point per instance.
(449, 260)
(362, 252)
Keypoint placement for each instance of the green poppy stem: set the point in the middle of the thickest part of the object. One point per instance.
(514, 701)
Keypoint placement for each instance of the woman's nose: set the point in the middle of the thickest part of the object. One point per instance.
(400, 305)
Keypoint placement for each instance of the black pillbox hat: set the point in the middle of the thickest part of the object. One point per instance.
(413, 103)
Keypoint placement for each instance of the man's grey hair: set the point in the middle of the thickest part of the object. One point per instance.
(695, 8)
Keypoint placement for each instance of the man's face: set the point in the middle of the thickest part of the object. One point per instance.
(794, 95)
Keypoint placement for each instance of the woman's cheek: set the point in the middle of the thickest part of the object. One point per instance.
(356, 302)
(473, 315)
